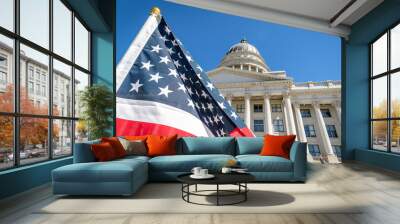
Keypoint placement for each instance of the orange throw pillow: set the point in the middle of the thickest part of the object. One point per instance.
(277, 145)
(116, 145)
(103, 152)
(134, 138)
(161, 145)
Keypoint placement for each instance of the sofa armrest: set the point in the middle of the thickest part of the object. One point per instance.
(298, 155)
(83, 152)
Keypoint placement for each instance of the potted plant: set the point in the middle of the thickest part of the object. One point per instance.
(96, 104)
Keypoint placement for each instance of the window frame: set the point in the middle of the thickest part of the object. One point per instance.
(388, 74)
(259, 125)
(275, 106)
(310, 132)
(258, 108)
(331, 130)
(280, 125)
(305, 113)
(16, 114)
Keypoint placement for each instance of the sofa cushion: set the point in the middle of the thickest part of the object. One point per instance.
(116, 145)
(249, 145)
(83, 152)
(207, 145)
(112, 171)
(103, 152)
(277, 145)
(185, 163)
(257, 163)
(161, 145)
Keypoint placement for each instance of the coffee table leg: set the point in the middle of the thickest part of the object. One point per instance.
(195, 188)
(217, 194)
(245, 193)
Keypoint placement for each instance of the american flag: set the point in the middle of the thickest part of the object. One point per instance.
(162, 90)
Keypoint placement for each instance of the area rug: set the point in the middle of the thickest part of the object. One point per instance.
(166, 198)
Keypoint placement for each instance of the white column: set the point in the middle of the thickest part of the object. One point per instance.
(247, 111)
(300, 131)
(286, 119)
(269, 129)
(229, 99)
(289, 113)
(338, 108)
(326, 143)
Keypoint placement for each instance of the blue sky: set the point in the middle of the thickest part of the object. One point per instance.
(304, 55)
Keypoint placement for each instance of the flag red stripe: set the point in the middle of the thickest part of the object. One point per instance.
(128, 127)
(241, 132)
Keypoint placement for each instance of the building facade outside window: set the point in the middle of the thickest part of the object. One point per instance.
(258, 125)
(258, 108)
(314, 150)
(56, 126)
(278, 125)
(309, 130)
(276, 108)
(305, 113)
(331, 131)
(326, 113)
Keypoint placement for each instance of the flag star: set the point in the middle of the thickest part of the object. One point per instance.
(221, 119)
(199, 76)
(189, 58)
(211, 120)
(183, 77)
(210, 106)
(204, 94)
(222, 96)
(174, 43)
(172, 72)
(165, 60)
(163, 38)
(190, 104)
(203, 107)
(156, 48)
(216, 119)
(179, 55)
(234, 115)
(165, 91)
(167, 30)
(198, 67)
(177, 63)
(170, 50)
(179, 42)
(210, 85)
(146, 65)
(206, 121)
(155, 77)
(182, 87)
(222, 132)
(197, 105)
(221, 105)
(190, 91)
(135, 86)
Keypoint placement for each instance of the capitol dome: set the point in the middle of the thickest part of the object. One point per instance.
(244, 56)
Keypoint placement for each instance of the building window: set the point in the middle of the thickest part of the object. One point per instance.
(310, 130)
(258, 108)
(41, 49)
(3, 78)
(385, 96)
(258, 125)
(314, 151)
(276, 107)
(305, 112)
(331, 131)
(240, 108)
(337, 150)
(278, 125)
(326, 113)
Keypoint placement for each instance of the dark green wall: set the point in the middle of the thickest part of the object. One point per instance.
(355, 86)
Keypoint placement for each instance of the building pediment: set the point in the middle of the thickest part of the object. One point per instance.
(230, 75)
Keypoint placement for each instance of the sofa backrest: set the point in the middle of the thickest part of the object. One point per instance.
(83, 153)
(249, 145)
(206, 145)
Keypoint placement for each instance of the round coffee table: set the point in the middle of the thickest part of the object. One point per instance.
(238, 179)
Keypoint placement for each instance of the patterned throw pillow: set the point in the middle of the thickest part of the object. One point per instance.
(134, 147)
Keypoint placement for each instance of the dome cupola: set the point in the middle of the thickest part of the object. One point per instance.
(244, 56)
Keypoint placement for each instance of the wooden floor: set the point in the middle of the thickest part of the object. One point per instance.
(379, 189)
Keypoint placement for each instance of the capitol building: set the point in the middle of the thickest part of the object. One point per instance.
(272, 102)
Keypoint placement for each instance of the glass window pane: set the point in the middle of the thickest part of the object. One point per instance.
(81, 131)
(7, 14)
(395, 94)
(6, 142)
(379, 135)
(81, 81)
(81, 45)
(62, 29)
(379, 56)
(62, 89)
(35, 21)
(34, 96)
(379, 98)
(6, 74)
(395, 47)
(33, 139)
(395, 135)
(62, 138)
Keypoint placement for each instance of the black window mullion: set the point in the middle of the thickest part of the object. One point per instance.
(16, 85)
(73, 81)
(50, 87)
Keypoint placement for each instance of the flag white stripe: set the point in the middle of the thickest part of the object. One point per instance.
(154, 112)
(130, 56)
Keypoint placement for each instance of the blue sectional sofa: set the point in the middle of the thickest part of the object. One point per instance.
(125, 176)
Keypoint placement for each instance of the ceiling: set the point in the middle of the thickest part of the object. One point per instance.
(328, 16)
